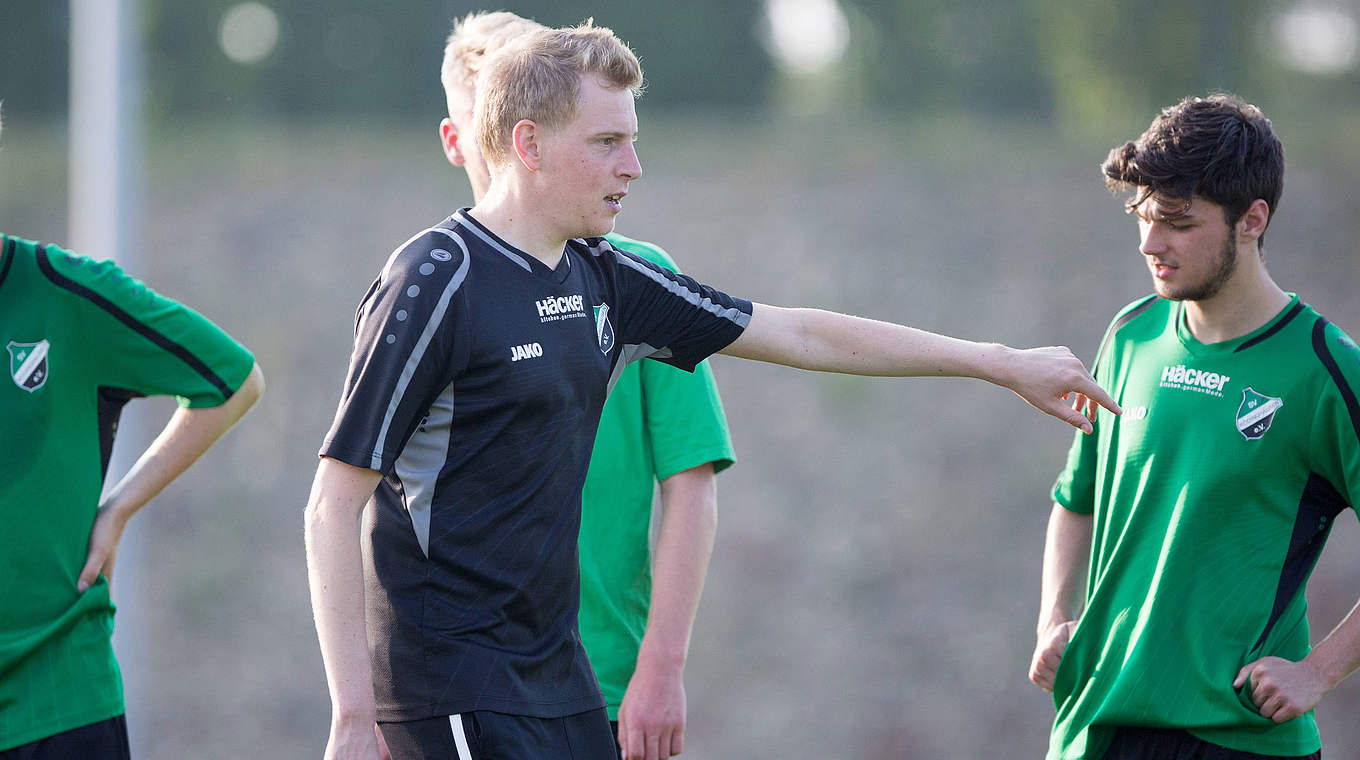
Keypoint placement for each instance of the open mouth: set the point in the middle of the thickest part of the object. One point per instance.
(615, 201)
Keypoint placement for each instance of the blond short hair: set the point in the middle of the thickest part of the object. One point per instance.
(475, 37)
(538, 77)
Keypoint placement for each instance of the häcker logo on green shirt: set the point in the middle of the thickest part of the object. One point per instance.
(604, 331)
(28, 364)
(1256, 413)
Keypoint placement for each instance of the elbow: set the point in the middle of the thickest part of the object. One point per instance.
(253, 387)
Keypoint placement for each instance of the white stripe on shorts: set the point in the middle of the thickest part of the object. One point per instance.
(460, 737)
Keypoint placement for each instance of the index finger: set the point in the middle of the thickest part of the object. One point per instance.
(1094, 392)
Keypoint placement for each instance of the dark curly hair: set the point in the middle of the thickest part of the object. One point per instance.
(1220, 148)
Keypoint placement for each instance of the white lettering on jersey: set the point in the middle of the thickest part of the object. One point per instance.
(561, 307)
(526, 351)
(1191, 379)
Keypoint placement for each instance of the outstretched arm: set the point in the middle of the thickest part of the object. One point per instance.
(652, 716)
(830, 342)
(335, 573)
(1067, 551)
(1284, 690)
(188, 434)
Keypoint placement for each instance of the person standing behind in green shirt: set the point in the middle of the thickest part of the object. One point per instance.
(1197, 517)
(82, 338)
(660, 424)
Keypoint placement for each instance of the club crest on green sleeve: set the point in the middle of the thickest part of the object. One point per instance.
(1255, 413)
(28, 364)
(604, 332)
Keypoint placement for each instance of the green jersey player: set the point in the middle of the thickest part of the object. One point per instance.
(81, 338)
(1197, 517)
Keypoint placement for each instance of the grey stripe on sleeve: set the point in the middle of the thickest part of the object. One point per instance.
(629, 354)
(418, 352)
(732, 314)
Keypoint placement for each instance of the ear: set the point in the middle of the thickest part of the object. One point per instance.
(448, 138)
(1252, 224)
(528, 144)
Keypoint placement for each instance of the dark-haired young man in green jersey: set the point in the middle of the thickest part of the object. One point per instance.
(81, 339)
(1196, 517)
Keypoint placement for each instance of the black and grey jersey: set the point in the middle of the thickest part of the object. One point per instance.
(475, 388)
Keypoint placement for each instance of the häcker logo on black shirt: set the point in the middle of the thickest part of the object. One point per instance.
(562, 307)
(1256, 413)
(28, 364)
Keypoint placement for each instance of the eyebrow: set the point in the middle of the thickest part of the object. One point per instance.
(1164, 216)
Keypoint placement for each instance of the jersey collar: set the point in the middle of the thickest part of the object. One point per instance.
(1272, 326)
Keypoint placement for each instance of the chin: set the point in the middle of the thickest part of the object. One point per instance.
(599, 229)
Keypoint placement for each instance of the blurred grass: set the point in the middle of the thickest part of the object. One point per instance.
(875, 582)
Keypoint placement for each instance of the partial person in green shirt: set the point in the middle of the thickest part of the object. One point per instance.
(1196, 518)
(81, 339)
(660, 425)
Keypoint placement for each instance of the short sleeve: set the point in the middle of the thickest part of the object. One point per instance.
(1334, 448)
(672, 317)
(1075, 488)
(408, 345)
(685, 419)
(141, 341)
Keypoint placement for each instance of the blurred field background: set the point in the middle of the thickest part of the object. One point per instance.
(875, 581)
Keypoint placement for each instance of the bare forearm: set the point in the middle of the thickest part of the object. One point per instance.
(825, 341)
(684, 544)
(335, 574)
(1338, 655)
(188, 434)
(1067, 552)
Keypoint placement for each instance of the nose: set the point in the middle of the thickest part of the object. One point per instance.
(630, 167)
(1152, 240)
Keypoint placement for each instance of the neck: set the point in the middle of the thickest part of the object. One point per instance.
(1246, 302)
(507, 215)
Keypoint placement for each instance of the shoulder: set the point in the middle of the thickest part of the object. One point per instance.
(642, 249)
(1145, 309)
(423, 273)
(101, 282)
(434, 251)
(1337, 351)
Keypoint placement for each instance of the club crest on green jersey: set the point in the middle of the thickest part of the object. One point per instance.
(28, 364)
(604, 332)
(1256, 413)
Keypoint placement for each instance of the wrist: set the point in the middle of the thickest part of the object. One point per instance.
(350, 717)
(661, 659)
(994, 364)
(1326, 670)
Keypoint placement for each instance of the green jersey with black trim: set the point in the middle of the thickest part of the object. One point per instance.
(81, 338)
(1212, 497)
(658, 421)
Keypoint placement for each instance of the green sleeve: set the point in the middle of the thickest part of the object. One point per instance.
(141, 341)
(683, 413)
(685, 420)
(1075, 487)
(1335, 446)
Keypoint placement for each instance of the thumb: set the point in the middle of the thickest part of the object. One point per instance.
(90, 573)
(1244, 673)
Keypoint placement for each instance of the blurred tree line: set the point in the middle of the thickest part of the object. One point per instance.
(1067, 61)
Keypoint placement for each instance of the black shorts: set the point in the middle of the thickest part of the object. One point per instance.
(1175, 744)
(105, 740)
(486, 735)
